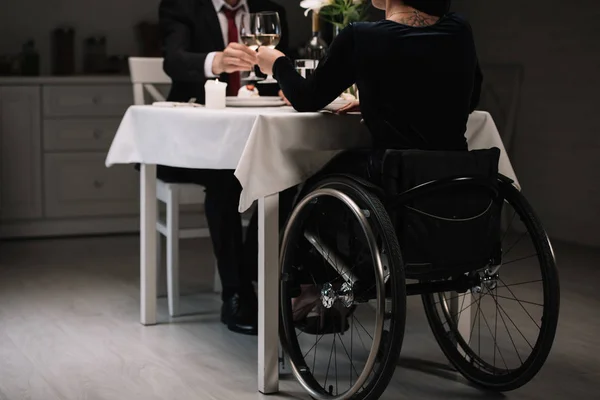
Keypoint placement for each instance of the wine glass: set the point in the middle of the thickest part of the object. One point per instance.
(248, 38)
(268, 32)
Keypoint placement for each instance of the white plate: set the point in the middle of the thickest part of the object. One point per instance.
(264, 101)
(175, 104)
(336, 104)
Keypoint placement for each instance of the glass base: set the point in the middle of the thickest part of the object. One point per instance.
(269, 79)
(252, 77)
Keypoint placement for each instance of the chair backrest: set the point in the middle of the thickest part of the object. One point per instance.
(146, 72)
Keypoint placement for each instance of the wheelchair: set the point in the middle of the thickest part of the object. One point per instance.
(445, 226)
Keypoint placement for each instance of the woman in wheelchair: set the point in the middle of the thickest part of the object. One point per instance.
(417, 206)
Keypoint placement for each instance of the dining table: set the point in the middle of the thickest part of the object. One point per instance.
(270, 149)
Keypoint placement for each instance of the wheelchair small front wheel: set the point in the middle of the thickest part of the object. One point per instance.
(499, 333)
(343, 295)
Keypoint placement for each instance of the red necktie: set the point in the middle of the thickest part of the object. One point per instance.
(233, 86)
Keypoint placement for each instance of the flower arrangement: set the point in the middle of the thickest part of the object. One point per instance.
(339, 13)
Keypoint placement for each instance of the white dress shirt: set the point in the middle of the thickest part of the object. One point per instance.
(243, 12)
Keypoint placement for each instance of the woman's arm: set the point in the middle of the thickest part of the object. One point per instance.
(334, 74)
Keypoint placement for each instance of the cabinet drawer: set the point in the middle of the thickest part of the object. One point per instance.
(79, 134)
(91, 100)
(80, 185)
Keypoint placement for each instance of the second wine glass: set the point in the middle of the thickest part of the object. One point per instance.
(268, 32)
(248, 38)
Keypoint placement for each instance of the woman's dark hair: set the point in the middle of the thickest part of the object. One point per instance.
(431, 7)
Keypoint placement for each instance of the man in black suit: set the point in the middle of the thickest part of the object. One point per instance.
(200, 39)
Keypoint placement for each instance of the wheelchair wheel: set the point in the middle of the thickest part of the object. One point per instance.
(343, 294)
(499, 333)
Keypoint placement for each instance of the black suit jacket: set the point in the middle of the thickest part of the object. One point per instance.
(190, 30)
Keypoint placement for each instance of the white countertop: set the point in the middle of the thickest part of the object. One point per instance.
(65, 80)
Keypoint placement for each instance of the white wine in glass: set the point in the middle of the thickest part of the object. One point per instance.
(268, 32)
(248, 38)
(269, 40)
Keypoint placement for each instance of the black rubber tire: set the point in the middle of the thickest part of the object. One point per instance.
(380, 222)
(522, 375)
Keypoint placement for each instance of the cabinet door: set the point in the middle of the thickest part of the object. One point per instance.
(20, 153)
(80, 185)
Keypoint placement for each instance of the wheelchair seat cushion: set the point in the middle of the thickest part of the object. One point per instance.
(452, 229)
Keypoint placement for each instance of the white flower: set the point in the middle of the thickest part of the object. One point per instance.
(314, 5)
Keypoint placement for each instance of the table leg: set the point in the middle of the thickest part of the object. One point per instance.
(148, 262)
(268, 294)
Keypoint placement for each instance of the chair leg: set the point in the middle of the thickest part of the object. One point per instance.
(158, 259)
(173, 252)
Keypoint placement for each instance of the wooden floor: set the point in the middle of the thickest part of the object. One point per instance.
(69, 329)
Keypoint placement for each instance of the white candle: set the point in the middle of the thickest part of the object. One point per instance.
(215, 94)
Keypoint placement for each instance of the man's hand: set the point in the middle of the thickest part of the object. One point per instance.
(236, 57)
(353, 106)
(266, 59)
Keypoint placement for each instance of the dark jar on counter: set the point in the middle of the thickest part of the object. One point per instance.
(63, 51)
(94, 55)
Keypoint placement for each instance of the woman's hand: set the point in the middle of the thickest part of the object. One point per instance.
(353, 106)
(266, 59)
(287, 102)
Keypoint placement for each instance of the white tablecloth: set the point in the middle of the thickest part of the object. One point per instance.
(271, 149)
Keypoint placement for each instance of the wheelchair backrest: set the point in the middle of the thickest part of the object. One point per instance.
(445, 207)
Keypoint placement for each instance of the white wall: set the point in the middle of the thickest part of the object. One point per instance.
(23, 19)
(556, 148)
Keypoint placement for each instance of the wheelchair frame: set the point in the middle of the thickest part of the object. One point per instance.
(461, 283)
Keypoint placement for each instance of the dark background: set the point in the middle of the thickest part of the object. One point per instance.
(541, 59)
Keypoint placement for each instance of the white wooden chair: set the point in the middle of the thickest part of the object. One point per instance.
(145, 73)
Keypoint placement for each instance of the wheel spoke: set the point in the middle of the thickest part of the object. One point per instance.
(336, 372)
(473, 325)
(523, 307)
(520, 301)
(359, 335)
(317, 340)
(509, 226)
(496, 329)
(367, 332)
(328, 365)
(519, 259)
(514, 244)
(452, 316)
(519, 284)
(351, 347)
(352, 367)
(513, 323)
(495, 341)
(509, 334)
(479, 327)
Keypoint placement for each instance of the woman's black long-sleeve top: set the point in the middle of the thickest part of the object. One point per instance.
(417, 85)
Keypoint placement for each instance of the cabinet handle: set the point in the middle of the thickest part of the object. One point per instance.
(97, 134)
(98, 184)
(96, 99)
